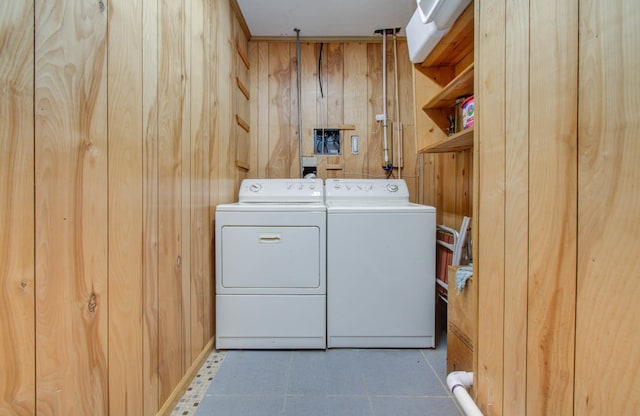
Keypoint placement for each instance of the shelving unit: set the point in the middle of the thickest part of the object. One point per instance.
(460, 85)
(460, 141)
(445, 75)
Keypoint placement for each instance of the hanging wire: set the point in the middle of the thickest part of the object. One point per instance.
(320, 69)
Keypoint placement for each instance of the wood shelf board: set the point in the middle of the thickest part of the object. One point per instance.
(458, 142)
(459, 86)
(456, 43)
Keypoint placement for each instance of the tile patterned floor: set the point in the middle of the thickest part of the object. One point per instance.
(354, 382)
(189, 402)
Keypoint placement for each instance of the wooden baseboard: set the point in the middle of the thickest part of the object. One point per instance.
(180, 389)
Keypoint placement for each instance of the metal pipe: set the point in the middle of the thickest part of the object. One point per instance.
(298, 54)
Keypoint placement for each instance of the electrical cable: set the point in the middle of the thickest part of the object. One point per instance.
(320, 69)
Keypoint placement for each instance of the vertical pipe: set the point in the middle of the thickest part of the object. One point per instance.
(388, 164)
(397, 104)
(384, 79)
(299, 100)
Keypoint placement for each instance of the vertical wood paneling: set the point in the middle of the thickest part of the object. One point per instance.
(125, 208)
(375, 106)
(252, 53)
(187, 181)
(463, 186)
(404, 128)
(224, 91)
(112, 112)
(334, 56)
(552, 207)
(489, 262)
(209, 137)
(171, 100)
(279, 109)
(150, 253)
(355, 84)
(292, 134)
(262, 98)
(428, 180)
(352, 87)
(151, 379)
(607, 369)
(215, 169)
(17, 269)
(446, 168)
(516, 207)
(200, 137)
(309, 94)
(71, 207)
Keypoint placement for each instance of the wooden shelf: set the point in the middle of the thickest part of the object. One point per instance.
(459, 86)
(447, 74)
(456, 143)
(456, 44)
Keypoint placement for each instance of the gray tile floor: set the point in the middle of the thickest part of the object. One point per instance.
(334, 382)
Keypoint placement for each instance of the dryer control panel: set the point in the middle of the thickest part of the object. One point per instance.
(282, 191)
(365, 189)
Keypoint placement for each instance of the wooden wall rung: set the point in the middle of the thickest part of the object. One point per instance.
(242, 164)
(242, 123)
(243, 56)
(242, 87)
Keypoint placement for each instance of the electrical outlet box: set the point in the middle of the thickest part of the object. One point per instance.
(327, 142)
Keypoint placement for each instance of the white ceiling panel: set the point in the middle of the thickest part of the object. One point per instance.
(325, 18)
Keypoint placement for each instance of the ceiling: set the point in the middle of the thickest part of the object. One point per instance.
(324, 18)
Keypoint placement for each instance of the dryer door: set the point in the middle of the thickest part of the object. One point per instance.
(270, 257)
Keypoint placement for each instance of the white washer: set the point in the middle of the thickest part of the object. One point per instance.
(380, 266)
(271, 266)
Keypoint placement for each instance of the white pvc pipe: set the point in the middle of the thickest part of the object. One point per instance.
(458, 383)
(398, 123)
(385, 143)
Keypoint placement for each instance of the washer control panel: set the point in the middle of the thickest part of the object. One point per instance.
(281, 191)
(375, 189)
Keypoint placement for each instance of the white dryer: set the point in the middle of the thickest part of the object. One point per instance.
(271, 266)
(380, 266)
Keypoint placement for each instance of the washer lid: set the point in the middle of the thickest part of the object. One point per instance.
(286, 191)
(376, 190)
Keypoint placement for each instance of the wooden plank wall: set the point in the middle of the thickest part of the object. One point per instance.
(557, 208)
(17, 267)
(120, 113)
(446, 179)
(351, 94)
(607, 368)
(71, 208)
